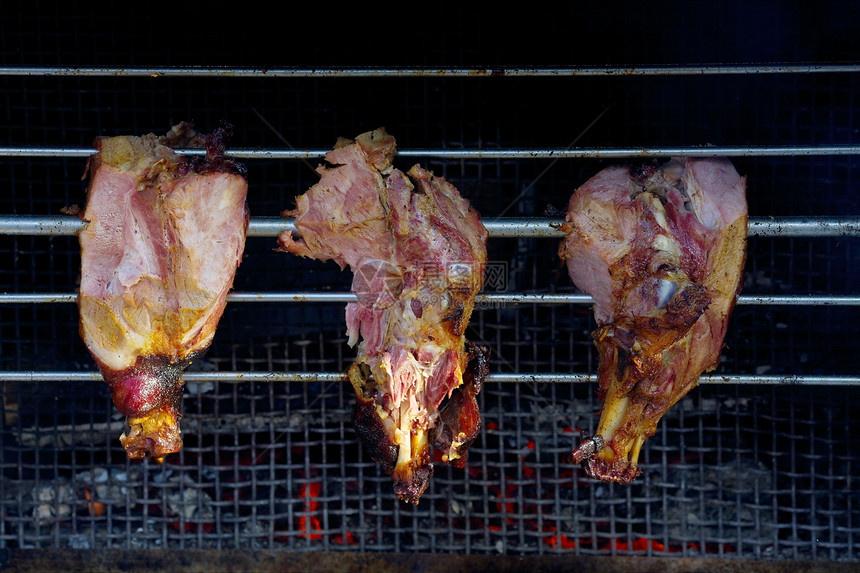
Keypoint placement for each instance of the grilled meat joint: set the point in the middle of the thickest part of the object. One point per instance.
(417, 251)
(661, 250)
(164, 237)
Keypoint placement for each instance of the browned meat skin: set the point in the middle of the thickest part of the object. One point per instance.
(158, 256)
(459, 418)
(661, 250)
(417, 251)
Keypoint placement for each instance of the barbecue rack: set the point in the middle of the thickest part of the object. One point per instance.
(755, 464)
(519, 228)
(500, 227)
(544, 228)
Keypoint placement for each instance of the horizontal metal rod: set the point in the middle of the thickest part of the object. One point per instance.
(488, 298)
(506, 227)
(744, 379)
(804, 227)
(544, 153)
(405, 72)
(523, 227)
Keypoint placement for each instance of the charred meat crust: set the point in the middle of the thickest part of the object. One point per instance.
(413, 486)
(157, 372)
(216, 159)
(368, 426)
(150, 395)
(369, 429)
(459, 418)
(183, 136)
(478, 366)
(455, 316)
(614, 472)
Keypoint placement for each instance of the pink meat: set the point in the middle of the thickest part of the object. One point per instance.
(158, 256)
(417, 250)
(661, 250)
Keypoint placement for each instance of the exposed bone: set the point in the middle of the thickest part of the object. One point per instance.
(587, 449)
(665, 293)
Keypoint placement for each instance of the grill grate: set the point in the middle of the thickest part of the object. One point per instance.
(757, 462)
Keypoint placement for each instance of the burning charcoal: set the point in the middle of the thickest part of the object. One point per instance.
(733, 494)
(53, 501)
(189, 502)
(101, 486)
(96, 476)
(145, 538)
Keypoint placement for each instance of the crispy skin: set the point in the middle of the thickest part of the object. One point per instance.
(661, 250)
(158, 256)
(417, 251)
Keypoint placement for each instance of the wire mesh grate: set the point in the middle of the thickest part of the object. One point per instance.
(730, 473)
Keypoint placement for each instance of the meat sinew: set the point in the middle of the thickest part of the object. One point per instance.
(661, 250)
(164, 237)
(417, 251)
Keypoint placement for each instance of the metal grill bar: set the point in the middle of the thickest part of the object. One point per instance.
(228, 72)
(531, 153)
(506, 298)
(535, 227)
(573, 378)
